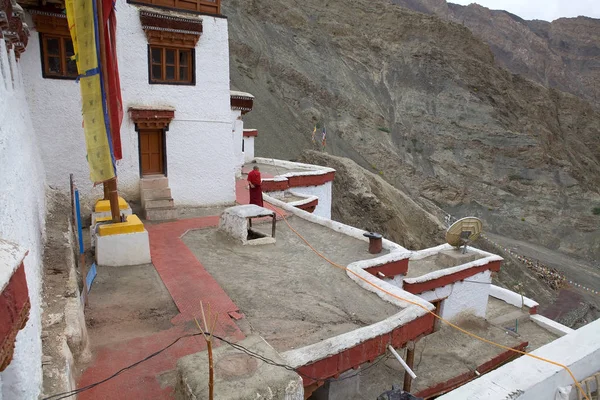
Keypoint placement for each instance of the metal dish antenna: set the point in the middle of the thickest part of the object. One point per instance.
(463, 232)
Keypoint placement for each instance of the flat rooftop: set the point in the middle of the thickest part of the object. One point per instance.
(289, 295)
(449, 353)
(442, 260)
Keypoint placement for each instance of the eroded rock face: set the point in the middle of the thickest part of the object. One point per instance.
(562, 54)
(422, 103)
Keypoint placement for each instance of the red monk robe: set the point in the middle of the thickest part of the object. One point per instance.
(254, 182)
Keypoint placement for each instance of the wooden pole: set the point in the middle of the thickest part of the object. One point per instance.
(110, 186)
(410, 359)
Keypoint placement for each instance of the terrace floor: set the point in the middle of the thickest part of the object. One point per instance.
(269, 171)
(443, 259)
(289, 295)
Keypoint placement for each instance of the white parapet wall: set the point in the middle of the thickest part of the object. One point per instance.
(306, 180)
(469, 296)
(22, 219)
(527, 378)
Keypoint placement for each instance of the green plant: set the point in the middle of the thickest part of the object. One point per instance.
(514, 177)
(384, 129)
(523, 219)
(596, 210)
(381, 173)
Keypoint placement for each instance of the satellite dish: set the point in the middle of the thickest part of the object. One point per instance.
(463, 232)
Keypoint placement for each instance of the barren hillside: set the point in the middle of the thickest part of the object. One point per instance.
(422, 103)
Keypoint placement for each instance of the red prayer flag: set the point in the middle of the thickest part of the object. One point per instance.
(113, 97)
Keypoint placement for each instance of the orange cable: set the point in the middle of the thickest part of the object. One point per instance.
(431, 312)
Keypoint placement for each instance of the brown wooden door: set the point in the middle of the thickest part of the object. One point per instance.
(151, 151)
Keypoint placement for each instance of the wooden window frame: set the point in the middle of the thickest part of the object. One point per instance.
(191, 65)
(62, 54)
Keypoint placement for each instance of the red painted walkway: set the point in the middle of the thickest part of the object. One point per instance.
(188, 283)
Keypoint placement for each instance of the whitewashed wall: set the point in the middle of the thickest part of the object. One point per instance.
(22, 214)
(200, 162)
(463, 297)
(248, 149)
(237, 132)
(323, 192)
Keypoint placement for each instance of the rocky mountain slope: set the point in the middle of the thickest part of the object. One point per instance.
(421, 102)
(562, 54)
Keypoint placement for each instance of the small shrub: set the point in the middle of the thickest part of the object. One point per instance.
(381, 173)
(596, 210)
(514, 177)
(523, 219)
(384, 129)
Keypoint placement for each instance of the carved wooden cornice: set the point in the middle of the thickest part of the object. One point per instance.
(49, 22)
(242, 103)
(151, 118)
(167, 30)
(12, 29)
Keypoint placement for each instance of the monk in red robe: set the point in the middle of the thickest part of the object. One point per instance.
(254, 181)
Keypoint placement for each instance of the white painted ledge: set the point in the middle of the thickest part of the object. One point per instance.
(11, 257)
(512, 298)
(550, 325)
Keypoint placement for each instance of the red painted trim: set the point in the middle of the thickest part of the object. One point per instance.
(390, 269)
(14, 312)
(140, 114)
(533, 310)
(416, 288)
(310, 206)
(311, 180)
(458, 381)
(274, 186)
(250, 133)
(366, 351)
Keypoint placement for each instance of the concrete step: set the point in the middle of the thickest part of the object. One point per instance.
(154, 182)
(152, 194)
(159, 203)
(161, 214)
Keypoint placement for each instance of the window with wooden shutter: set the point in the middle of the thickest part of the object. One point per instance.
(171, 65)
(57, 51)
(56, 46)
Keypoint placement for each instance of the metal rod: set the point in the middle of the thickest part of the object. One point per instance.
(273, 228)
(401, 361)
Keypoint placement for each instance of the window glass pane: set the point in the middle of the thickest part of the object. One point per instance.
(69, 47)
(71, 68)
(53, 46)
(170, 57)
(183, 74)
(157, 72)
(54, 65)
(183, 58)
(170, 73)
(156, 55)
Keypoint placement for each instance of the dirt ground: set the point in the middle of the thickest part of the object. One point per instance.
(574, 307)
(289, 295)
(127, 302)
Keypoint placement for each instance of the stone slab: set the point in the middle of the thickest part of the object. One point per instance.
(238, 376)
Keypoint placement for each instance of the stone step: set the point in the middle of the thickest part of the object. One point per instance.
(161, 214)
(159, 203)
(154, 182)
(153, 194)
(508, 319)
